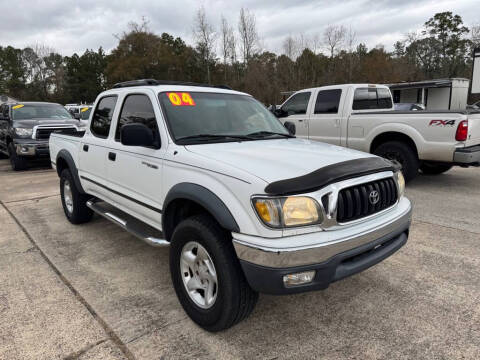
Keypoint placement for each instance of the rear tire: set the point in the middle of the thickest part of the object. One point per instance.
(234, 299)
(428, 168)
(18, 163)
(403, 153)
(74, 203)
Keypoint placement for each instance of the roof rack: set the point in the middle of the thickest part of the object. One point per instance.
(153, 82)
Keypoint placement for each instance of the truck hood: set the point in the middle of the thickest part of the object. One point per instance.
(273, 160)
(47, 122)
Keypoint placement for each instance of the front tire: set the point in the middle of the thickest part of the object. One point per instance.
(428, 168)
(18, 163)
(74, 203)
(403, 153)
(207, 275)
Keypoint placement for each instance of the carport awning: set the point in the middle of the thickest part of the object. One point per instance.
(420, 84)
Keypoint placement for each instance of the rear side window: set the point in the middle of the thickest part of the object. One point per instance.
(137, 108)
(297, 104)
(328, 101)
(371, 98)
(102, 117)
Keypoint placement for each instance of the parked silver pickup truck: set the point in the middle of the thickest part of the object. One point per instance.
(361, 117)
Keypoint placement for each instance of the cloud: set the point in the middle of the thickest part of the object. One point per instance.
(70, 26)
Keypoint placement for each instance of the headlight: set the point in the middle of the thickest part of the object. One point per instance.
(401, 183)
(23, 132)
(288, 211)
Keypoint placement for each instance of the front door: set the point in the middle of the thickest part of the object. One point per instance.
(135, 172)
(326, 123)
(295, 110)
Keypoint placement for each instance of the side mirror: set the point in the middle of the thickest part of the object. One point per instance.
(137, 135)
(290, 127)
(272, 108)
(279, 113)
(76, 116)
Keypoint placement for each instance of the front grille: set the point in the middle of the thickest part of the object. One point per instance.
(44, 133)
(358, 201)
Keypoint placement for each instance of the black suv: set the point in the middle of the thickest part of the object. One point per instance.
(26, 127)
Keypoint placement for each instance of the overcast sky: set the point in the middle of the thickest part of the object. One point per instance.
(71, 26)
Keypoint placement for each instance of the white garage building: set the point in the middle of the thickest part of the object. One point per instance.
(440, 94)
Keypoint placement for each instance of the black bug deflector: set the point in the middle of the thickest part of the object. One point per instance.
(330, 174)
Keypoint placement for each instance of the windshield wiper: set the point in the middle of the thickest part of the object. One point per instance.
(269, 133)
(206, 137)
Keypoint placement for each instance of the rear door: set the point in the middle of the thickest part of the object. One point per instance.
(296, 110)
(94, 148)
(325, 122)
(135, 172)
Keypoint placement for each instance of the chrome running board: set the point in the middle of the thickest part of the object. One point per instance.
(138, 228)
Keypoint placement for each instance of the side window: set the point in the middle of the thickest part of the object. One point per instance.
(384, 98)
(328, 101)
(365, 98)
(102, 117)
(371, 98)
(297, 104)
(137, 108)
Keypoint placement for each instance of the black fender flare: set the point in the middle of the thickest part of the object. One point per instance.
(67, 157)
(204, 197)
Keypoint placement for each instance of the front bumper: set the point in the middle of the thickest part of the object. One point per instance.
(32, 148)
(340, 256)
(467, 156)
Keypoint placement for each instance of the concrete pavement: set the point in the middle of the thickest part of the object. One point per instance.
(94, 291)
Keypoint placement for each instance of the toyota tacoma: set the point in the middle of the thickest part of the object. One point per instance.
(244, 206)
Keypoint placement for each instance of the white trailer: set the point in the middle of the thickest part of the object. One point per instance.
(440, 94)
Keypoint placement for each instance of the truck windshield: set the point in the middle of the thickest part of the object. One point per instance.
(198, 117)
(39, 112)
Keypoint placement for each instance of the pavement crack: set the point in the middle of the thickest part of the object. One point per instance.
(82, 351)
(29, 250)
(31, 199)
(155, 329)
(445, 226)
(108, 330)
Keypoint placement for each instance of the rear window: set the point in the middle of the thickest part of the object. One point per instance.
(102, 117)
(372, 98)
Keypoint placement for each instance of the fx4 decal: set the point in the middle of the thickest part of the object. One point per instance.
(442, 123)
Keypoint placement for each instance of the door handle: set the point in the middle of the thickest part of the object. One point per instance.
(300, 120)
(112, 156)
(85, 148)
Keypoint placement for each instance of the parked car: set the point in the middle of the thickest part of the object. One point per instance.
(244, 206)
(361, 116)
(408, 107)
(26, 127)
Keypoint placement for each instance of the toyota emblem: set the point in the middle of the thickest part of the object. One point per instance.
(374, 197)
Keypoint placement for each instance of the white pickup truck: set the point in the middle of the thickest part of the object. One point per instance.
(361, 116)
(244, 206)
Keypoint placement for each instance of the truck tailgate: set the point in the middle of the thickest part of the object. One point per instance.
(473, 129)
